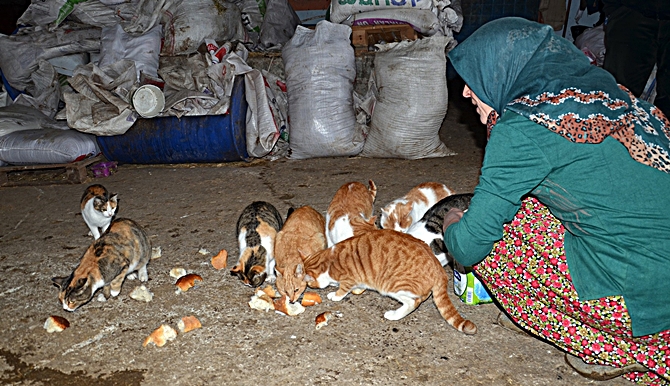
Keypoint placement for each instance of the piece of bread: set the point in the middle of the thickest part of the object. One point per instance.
(188, 323)
(270, 291)
(160, 336)
(284, 306)
(141, 293)
(187, 281)
(156, 252)
(310, 299)
(261, 301)
(56, 323)
(220, 261)
(177, 272)
(322, 319)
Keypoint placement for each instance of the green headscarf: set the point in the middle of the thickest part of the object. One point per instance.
(523, 66)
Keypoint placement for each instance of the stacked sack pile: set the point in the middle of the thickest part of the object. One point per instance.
(406, 102)
(80, 62)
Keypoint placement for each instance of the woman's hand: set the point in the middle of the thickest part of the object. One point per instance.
(454, 215)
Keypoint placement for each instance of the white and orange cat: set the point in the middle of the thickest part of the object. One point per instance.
(304, 231)
(257, 228)
(351, 200)
(401, 213)
(98, 208)
(122, 250)
(392, 263)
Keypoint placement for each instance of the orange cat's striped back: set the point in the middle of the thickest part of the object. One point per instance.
(351, 200)
(392, 263)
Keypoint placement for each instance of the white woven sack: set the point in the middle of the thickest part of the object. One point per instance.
(320, 72)
(193, 21)
(342, 9)
(46, 146)
(422, 20)
(411, 82)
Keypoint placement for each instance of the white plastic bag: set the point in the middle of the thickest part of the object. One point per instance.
(101, 105)
(46, 146)
(144, 49)
(18, 117)
(193, 21)
(341, 9)
(411, 82)
(261, 129)
(19, 58)
(320, 73)
(422, 20)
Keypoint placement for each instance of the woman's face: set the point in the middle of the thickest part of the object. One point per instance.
(482, 108)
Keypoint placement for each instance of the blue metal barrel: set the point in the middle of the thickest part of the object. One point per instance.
(197, 139)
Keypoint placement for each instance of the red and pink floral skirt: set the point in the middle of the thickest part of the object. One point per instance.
(528, 275)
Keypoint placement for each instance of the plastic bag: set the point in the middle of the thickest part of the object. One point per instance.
(46, 146)
(341, 9)
(422, 20)
(320, 72)
(411, 82)
(278, 25)
(195, 20)
(142, 49)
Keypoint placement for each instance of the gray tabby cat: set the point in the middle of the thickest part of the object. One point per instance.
(123, 249)
(429, 228)
(98, 208)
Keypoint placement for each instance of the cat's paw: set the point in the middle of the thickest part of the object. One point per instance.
(333, 296)
(101, 298)
(357, 291)
(131, 276)
(392, 315)
(143, 275)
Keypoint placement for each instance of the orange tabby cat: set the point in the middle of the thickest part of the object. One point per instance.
(351, 200)
(392, 263)
(401, 213)
(304, 230)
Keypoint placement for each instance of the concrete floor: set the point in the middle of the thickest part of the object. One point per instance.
(188, 207)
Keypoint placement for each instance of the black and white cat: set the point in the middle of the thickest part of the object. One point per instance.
(429, 228)
(98, 208)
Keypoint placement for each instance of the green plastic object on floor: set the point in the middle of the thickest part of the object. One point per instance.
(468, 288)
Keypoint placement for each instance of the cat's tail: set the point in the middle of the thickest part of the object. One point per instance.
(447, 309)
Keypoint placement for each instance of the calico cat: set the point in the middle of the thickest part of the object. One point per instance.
(351, 200)
(402, 212)
(98, 208)
(429, 228)
(122, 250)
(256, 230)
(304, 230)
(392, 263)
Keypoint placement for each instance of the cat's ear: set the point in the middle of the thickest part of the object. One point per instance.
(290, 210)
(59, 281)
(302, 255)
(279, 275)
(308, 278)
(114, 198)
(299, 271)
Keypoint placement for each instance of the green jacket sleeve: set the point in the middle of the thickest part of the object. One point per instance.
(513, 166)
